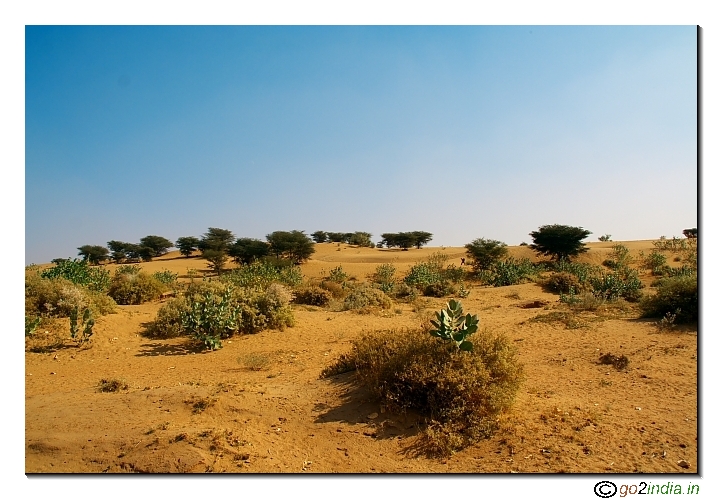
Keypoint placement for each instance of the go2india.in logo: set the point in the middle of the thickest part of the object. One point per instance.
(607, 489)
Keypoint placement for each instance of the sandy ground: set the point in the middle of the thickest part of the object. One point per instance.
(187, 410)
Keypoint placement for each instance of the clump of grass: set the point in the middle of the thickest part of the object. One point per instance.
(569, 319)
(461, 393)
(112, 385)
(255, 361)
(620, 362)
(346, 363)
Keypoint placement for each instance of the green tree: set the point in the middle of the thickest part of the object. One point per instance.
(187, 245)
(294, 245)
(690, 233)
(559, 241)
(158, 244)
(362, 239)
(319, 237)
(246, 250)
(485, 252)
(421, 238)
(93, 254)
(118, 250)
(214, 245)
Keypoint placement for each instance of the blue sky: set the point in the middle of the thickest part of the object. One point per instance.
(461, 131)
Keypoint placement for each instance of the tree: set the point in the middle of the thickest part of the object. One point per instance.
(690, 233)
(319, 237)
(421, 238)
(187, 245)
(294, 245)
(93, 254)
(247, 250)
(559, 241)
(214, 245)
(137, 251)
(485, 252)
(336, 237)
(118, 250)
(158, 244)
(362, 239)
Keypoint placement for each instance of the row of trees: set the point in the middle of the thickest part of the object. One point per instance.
(405, 240)
(149, 247)
(217, 245)
(362, 239)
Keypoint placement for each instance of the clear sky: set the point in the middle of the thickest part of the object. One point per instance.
(461, 131)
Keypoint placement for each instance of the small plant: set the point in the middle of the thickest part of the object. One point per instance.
(384, 277)
(31, 324)
(255, 361)
(667, 323)
(112, 385)
(166, 277)
(462, 292)
(337, 275)
(210, 318)
(81, 332)
(452, 325)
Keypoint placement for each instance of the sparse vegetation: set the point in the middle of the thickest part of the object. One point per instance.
(511, 271)
(676, 295)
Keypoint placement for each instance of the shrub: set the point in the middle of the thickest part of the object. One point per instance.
(336, 290)
(211, 311)
(620, 257)
(314, 296)
(439, 289)
(80, 332)
(58, 297)
(509, 272)
(78, 272)
(623, 283)
(337, 275)
(676, 295)
(563, 283)
(582, 271)
(112, 385)
(261, 274)
(460, 393)
(166, 277)
(385, 277)
(364, 296)
(128, 270)
(421, 275)
(135, 288)
(653, 261)
(484, 253)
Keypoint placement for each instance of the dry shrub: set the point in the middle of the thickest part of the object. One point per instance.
(314, 296)
(58, 297)
(562, 282)
(364, 297)
(112, 385)
(167, 323)
(620, 362)
(337, 290)
(135, 288)
(461, 393)
(675, 295)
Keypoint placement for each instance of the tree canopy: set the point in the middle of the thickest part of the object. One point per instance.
(246, 250)
(559, 241)
(158, 244)
(294, 245)
(93, 254)
(406, 240)
(186, 245)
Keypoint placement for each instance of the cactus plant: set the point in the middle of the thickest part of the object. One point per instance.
(81, 336)
(452, 325)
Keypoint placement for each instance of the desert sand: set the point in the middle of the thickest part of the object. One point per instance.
(188, 410)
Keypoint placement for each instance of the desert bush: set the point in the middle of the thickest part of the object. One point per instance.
(337, 275)
(78, 272)
(583, 271)
(676, 295)
(166, 277)
(314, 296)
(439, 289)
(364, 297)
(562, 283)
(385, 277)
(623, 283)
(421, 275)
(128, 270)
(135, 288)
(58, 297)
(484, 253)
(461, 393)
(653, 261)
(509, 272)
(619, 257)
(337, 290)
(675, 244)
(112, 385)
(211, 311)
(261, 274)
(620, 362)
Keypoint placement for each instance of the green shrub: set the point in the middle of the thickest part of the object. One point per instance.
(337, 275)
(314, 296)
(654, 261)
(421, 275)
(460, 393)
(623, 283)
(166, 277)
(675, 295)
(261, 274)
(583, 271)
(364, 296)
(385, 277)
(211, 311)
(128, 270)
(135, 288)
(484, 253)
(58, 297)
(509, 272)
(79, 273)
